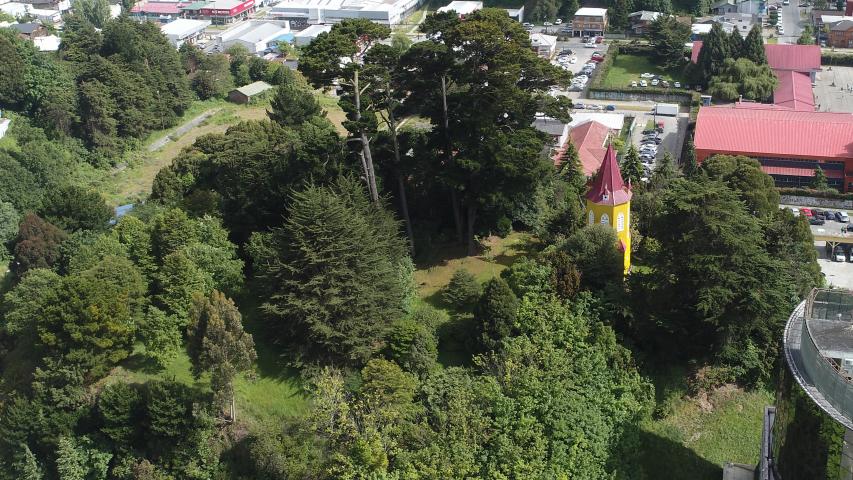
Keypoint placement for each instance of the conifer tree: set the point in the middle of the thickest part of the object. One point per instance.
(690, 166)
(496, 312)
(632, 167)
(292, 105)
(715, 50)
(820, 182)
(753, 47)
(219, 345)
(571, 170)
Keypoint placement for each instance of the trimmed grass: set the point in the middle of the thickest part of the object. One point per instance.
(696, 436)
(627, 67)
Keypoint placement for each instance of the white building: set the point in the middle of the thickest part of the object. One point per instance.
(255, 36)
(544, 45)
(184, 30)
(300, 39)
(613, 121)
(313, 12)
(18, 10)
(462, 7)
(49, 43)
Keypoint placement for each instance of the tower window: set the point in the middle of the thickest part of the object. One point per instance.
(620, 222)
(605, 219)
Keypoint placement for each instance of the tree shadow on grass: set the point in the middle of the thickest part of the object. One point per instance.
(137, 362)
(661, 457)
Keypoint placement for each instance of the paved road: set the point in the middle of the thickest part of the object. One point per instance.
(791, 22)
(180, 131)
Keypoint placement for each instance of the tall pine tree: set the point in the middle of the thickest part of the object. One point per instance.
(753, 47)
(715, 50)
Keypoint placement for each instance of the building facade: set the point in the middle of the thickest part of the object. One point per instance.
(589, 22)
(841, 34)
(608, 202)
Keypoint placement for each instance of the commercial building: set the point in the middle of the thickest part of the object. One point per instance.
(184, 30)
(462, 7)
(163, 12)
(51, 16)
(254, 36)
(305, 36)
(225, 11)
(589, 21)
(544, 45)
(313, 12)
(789, 144)
(247, 93)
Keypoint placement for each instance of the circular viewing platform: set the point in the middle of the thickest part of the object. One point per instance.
(818, 344)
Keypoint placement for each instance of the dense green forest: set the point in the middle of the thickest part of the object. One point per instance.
(280, 238)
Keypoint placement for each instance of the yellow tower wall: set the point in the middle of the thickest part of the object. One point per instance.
(596, 212)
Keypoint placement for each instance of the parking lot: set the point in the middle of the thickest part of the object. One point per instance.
(672, 137)
(833, 90)
(838, 274)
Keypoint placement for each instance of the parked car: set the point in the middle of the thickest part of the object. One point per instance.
(644, 83)
(819, 213)
(648, 132)
(573, 60)
(527, 24)
(558, 21)
(646, 75)
(579, 106)
(634, 83)
(567, 51)
(610, 108)
(838, 255)
(547, 24)
(795, 211)
(816, 221)
(655, 82)
(677, 84)
(829, 215)
(842, 217)
(806, 212)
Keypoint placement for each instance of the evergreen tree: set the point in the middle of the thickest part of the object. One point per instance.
(571, 170)
(632, 168)
(690, 166)
(665, 171)
(618, 16)
(714, 53)
(462, 290)
(736, 44)
(217, 344)
(496, 313)
(293, 106)
(819, 182)
(807, 37)
(333, 271)
(753, 47)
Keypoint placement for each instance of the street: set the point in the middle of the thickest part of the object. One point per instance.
(791, 22)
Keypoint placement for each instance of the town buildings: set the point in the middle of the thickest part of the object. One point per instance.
(589, 22)
(313, 12)
(544, 45)
(841, 34)
(641, 20)
(184, 30)
(255, 36)
(462, 7)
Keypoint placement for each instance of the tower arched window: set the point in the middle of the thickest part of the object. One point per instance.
(620, 222)
(605, 219)
(591, 217)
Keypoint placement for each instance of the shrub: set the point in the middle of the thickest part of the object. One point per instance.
(463, 290)
(503, 227)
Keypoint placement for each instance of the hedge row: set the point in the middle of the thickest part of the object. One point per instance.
(807, 192)
(830, 59)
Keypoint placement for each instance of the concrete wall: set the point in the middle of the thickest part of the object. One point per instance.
(815, 202)
(634, 96)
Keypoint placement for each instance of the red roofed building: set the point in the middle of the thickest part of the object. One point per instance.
(160, 11)
(590, 140)
(794, 91)
(795, 58)
(788, 143)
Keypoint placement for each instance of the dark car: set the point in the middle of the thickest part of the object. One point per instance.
(610, 108)
(816, 220)
(648, 132)
(566, 51)
(829, 214)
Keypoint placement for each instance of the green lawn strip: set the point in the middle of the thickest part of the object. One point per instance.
(692, 442)
(627, 68)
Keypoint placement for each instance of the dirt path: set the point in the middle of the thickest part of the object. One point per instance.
(180, 131)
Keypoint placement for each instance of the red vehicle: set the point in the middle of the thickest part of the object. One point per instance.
(807, 212)
(597, 57)
(599, 39)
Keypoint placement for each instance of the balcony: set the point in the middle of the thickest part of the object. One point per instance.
(819, 351)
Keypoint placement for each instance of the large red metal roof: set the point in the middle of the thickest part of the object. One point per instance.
(607, 187)
(799, 58)
(794, 90)
(160, 8)
(775, 132)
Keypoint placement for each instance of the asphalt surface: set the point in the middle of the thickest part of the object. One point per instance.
(838, 274)
(791, 22)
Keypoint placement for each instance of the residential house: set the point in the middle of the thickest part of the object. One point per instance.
(29, 31)
(247, 93)
(544, 45)
(841, 34)
(184, 30)
(722, 7)
(641, 20)
(462, 7)
(589, 21)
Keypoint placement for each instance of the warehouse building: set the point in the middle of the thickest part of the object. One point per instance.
(184, 30)
(255, 36)
(314, 12)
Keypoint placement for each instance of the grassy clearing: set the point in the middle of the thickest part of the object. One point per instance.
(270, 392)
(695, 436)
(132, 182)
(627, 67)
(436, 268)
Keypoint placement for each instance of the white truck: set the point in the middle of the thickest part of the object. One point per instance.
(666, 109)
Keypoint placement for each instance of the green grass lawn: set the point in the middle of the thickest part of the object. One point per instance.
(695, 436)
(627, 67)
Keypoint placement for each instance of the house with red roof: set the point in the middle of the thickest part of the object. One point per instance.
(590, 140)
